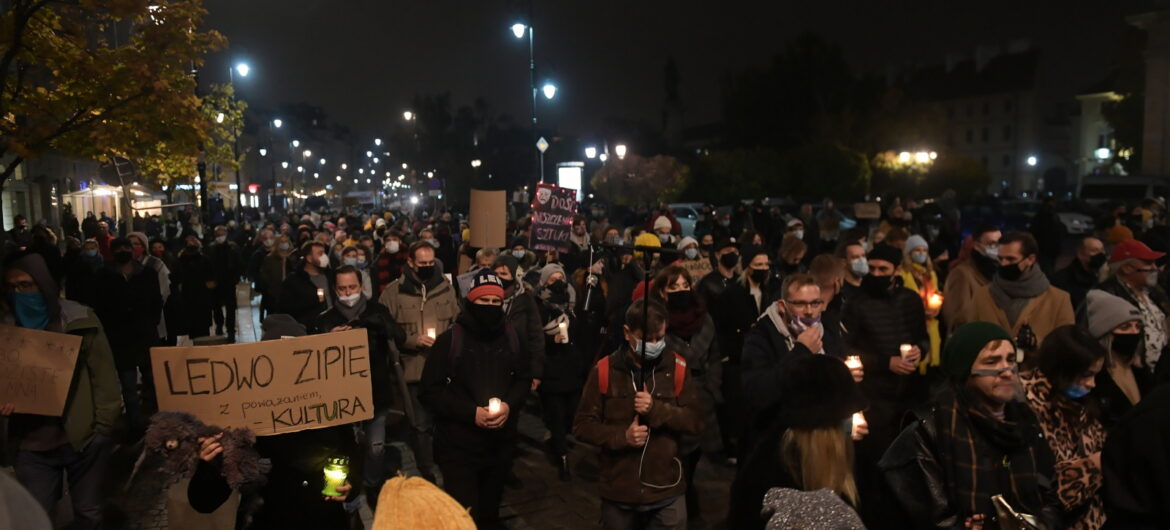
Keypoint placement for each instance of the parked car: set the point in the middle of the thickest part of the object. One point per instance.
(687, 214)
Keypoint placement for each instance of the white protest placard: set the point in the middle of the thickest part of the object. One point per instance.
(271, 387)
(36, 369)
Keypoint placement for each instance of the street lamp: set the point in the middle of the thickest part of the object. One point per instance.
(308, 153)
(549, 89)
(603, 157)
(344, 166)
(1032, 161)
(263, 151)
(277, 123)
(476, 163)
(219, 118)
(590, 152)
(322, 162)
(243, 69)
(284, 165)
(377, 141)
(408, 115)
(620, 149)
(369, 154)
(518, 30)
(296, 144)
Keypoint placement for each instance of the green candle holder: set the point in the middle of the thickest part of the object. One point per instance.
(336, 471)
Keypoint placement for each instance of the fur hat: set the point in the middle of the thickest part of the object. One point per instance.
(817, 391)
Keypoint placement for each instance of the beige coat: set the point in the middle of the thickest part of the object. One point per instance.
(417, 308)
(959, 292)
(1050, 310)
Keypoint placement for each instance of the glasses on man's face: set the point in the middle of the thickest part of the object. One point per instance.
(994, 372)
(815, 304)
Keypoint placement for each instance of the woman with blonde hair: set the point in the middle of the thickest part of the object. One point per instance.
(918, 275)
(808, 449)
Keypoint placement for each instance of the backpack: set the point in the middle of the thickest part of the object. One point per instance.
(457, 342)
(680, 374)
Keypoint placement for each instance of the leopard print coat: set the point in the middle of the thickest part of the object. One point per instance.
(1073, 436)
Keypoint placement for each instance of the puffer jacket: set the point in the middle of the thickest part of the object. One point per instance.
(877, 327)
(602, 420)
(417, 306)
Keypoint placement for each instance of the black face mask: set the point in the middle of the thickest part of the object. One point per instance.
(729, 260)
(488, 317)
(1126, 345)
(123, 257)
(680, 300)
(1096, 262)
(425, 273)
(986, 266)
(559, 287)
(877, 286)
(508, 283)
(1010, 273)
(759, 275)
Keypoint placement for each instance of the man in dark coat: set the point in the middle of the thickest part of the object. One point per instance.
(972, 442)
(225, 259)
(305, 293)
(1081, 274)
(129, 304)
(354, 311)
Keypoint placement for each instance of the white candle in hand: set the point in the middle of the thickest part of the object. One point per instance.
(431, 332)
(906, 350)
(858, 419)
(320, 295)
(494, 405)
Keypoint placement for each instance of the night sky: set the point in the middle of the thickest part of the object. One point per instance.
(363, 60)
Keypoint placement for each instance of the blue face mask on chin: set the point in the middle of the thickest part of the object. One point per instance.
(1076, 392)
(31, 310)
(653, 349)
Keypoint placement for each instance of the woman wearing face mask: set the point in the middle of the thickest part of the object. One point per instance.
(918, 275)
(273, 271)
(1068, 366)
(691, 259)
(564, 366)
(391, 260)
(1117, 325)
(354, 257)
(474, 382)
(524, 259)
(690, 332)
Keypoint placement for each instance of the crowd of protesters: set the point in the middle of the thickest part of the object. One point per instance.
(897, 374)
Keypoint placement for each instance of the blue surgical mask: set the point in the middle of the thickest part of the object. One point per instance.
(1076, 392)
(352, 262)
(519, 254)
(653, 349)
(691, 253)
(918, 258)
(31, 310)
(859, 266)
(89, 252)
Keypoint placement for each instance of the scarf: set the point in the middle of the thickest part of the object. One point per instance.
(1013, 297)
(351, 313)
(780, 320)
(686, 323)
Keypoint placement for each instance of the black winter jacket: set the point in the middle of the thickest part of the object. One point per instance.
(298, 297)
(877, 327)
(129, 310)
(380, 331)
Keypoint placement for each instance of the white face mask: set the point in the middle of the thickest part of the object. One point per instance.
(519, 254)
(653, 349)
(323, 261)
(350, 300)
(798, 234)
(269, 242)
(859, 266)
(220, 239)
(392, 247)
(991, 252)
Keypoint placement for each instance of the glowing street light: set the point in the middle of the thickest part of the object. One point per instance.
(219, 118)
(603, 157)
(549, 90)
(263, 151)
(296, 144)
(284, 165)
(277, 123)
(904, 157)
(243, 69)
(408, 115)
(1032, 161)
(344, 166)
(519, 29)
(377, 141)
(590, 152)
(620, 149)
(476, 163)
(1103, 153)
(922, 157)
(369, 154)
(307, 153)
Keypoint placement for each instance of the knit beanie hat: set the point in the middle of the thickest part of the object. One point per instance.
(547, 271)
(964, 346)
(1104, 312)
(506, 260)
(915, 241)
(817, 391)
(416, 503)
(646, 239)
(886, 252)
(662, 222)
(687, 241)
(485, 283)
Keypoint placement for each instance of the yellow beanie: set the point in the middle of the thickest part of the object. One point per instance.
(645, 239)
(410, 503)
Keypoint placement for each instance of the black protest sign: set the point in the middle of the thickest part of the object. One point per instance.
(552, 217)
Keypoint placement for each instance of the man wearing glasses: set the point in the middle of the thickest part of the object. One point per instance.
(791, 326)
(972, 442)
(1133, 276)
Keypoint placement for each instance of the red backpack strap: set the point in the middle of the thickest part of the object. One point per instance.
(680, 374)
(603, 375)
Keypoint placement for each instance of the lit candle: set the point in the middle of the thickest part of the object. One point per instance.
(320, 295)
(934, 302)
(853, 362)
(564, 331)
(336, 470)
(858, 419)
(494, 405)
(431, 332)
(906, 349)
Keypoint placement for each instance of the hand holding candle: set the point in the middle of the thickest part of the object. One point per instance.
(494, 406)
(934, 302)
(336, 471)
(856, 369)
(320, 295)
(431, 333)
(860, 427)
(907, 352)
(563, 332)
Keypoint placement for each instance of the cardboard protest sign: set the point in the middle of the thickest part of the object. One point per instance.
(867, 210)
(488, 220)
(271, 387)
(552, 217)
(36, 369)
